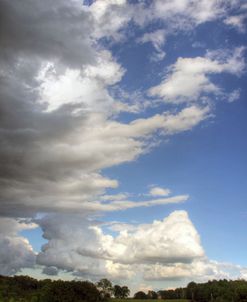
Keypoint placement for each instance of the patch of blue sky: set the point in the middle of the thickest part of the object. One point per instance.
(35, 237)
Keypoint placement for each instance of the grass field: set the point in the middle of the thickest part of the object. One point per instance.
(134, 300)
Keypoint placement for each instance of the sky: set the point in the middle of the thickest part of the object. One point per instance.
(123, 140)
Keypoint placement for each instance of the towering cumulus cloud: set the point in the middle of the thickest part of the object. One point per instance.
(61, 125)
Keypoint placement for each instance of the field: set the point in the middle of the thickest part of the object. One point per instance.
(135, 300)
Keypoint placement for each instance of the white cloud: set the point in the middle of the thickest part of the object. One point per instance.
(233, 96)
(189, 78)
(79, 245)
(186, 119)
(243, 273)
(200, 270)
(120, 226)
(163, 250)
(86, 86)
(119, 270)
(110, 17)
(187, 13)
(168, 250)
(77, 204)
(126, 204)
(120, 196)
(157, 38)
(158, 191)
(172, 240)
(237, 21)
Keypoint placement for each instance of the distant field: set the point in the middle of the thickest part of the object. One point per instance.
(134, 300)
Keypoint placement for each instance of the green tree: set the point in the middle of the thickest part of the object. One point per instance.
(105, 287)
(121, 292)
(140, 295)
(117, 291)
(152, 295)
(190, 292)
(125, 292)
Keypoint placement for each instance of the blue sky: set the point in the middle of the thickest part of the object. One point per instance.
(124, 150)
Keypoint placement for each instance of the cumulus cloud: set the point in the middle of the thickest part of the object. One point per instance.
(74, 246)
(15, 251)
(86, 86)
(189, 78)
(80, 245)
(169, 249)
(63, 242)
(172, 240)
(117, 226)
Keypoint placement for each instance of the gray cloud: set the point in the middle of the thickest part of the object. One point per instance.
(50, 271)
(51, 30)
(15, 250)
(15, 253)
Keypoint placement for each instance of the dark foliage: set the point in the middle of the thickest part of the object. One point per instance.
(24, 288)
(214, 291)
(27, 289)
(121, 292)
(152, 295)
(140, 295)
(105, 288)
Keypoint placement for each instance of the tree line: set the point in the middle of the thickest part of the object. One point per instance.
(211, 291)
(27, 289)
